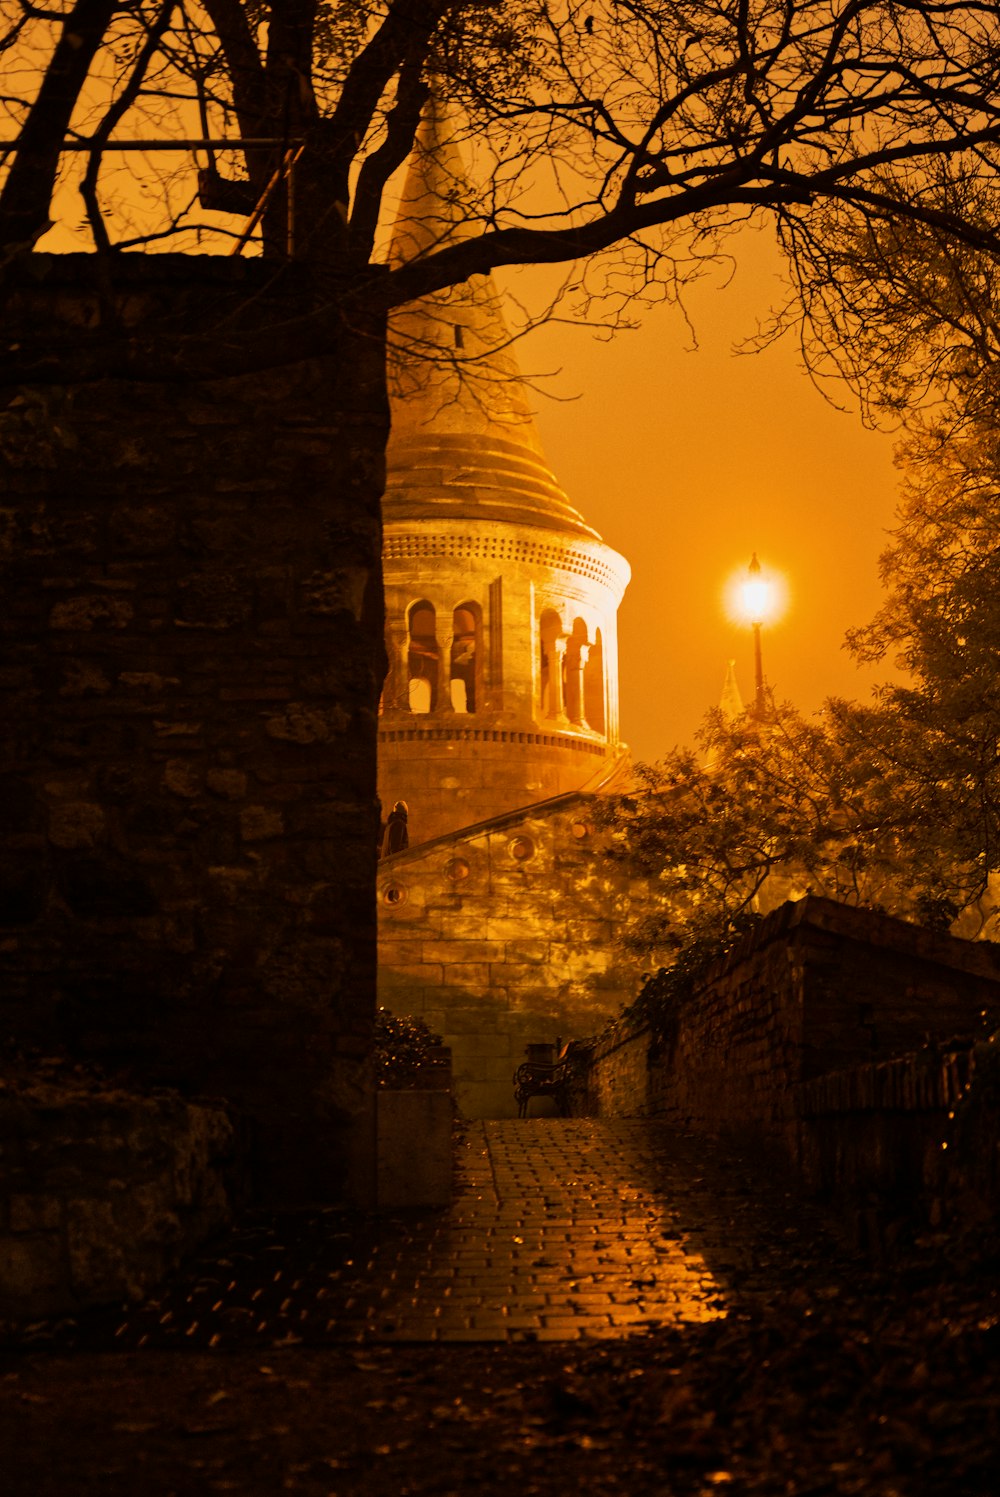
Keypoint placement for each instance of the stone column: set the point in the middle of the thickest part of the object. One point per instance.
(396, 692)
(577, 667)
(557, 695)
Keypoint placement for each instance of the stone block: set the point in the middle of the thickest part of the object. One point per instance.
(470, 975)
(84, 680)
(488, 1017)
(31, 1213)
(529, 976)
(535, 1005)
(519, 952)
(228, 784)
(590, 932)
(468, 1049)
(182, 777)
(462, 927)
(417, 973)
(90, 613)
(511, 927)
(213, 600)
(76, 824)
(489, 1068)
(259, 823)
(414, 1131)
(101, 1254)
(405, 953)
(469, 951)
(409, 914)
(33, 1277)
(304, 725)
(140, 530)
(574, 960)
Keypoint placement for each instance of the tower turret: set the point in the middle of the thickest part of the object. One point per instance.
(501, 602)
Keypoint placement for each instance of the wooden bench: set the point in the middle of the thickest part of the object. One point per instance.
(552, 1078)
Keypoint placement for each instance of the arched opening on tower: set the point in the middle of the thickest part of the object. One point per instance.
(593, 686)
(423, 658)
(466, 630)
(552, 645)
(577, 652)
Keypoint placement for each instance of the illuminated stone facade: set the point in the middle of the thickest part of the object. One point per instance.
(500, 710)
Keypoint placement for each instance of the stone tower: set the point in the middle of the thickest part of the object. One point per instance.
(501, 602)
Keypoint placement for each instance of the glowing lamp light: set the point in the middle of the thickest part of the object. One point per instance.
(756, 595)
(753, 596)
(756, 598)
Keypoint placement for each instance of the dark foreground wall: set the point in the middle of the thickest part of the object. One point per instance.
(192, 618)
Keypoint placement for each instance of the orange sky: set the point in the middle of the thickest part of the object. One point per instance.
(687, 462)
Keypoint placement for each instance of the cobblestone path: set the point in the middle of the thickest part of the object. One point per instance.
(566, 1229)
(561, 1230)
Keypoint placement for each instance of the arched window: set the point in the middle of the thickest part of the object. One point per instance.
(464, 665)
(423, 658)
(550, 675)
(593, 686)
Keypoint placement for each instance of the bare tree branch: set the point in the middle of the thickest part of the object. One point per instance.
(117, 112)
(27, 191)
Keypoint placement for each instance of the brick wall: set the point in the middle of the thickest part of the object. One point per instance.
(192, 656)
(875, 1138)
(819, 987)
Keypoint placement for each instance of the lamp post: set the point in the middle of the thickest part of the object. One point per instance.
(756, 599)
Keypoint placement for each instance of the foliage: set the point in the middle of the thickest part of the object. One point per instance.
(936, 732)
(777, 807)
(917, 318)
(404, 1049)
(664, 993)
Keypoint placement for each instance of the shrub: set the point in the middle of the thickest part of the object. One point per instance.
(405, 1049)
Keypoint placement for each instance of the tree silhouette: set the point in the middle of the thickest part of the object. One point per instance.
(630, 134)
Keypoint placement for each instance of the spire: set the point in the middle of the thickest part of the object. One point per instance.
(463, 442)
(731, 702)
(435, 207)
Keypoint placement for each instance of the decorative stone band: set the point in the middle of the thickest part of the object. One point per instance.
(600, 565)
(490, 735)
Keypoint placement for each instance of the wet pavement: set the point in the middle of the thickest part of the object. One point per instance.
(607, 1307)
(561, 1230)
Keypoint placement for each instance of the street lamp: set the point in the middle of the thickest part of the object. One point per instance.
(756, 604)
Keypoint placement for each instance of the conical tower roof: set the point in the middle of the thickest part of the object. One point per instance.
(463, 443)
(731, 701)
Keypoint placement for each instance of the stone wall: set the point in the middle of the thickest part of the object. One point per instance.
(876, 1139)
(818, 987)
(501, 936)
(192, 634)
(102, 1192)
(804, 1046)
(622, 1077)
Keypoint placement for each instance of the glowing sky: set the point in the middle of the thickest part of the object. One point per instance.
(687, 462)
